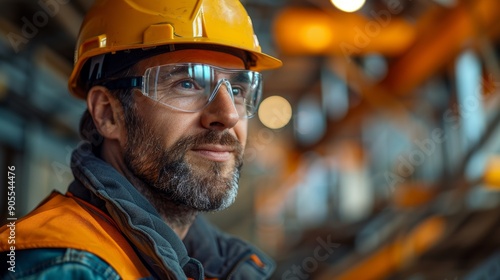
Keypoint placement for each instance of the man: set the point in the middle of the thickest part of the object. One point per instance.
(169, 86)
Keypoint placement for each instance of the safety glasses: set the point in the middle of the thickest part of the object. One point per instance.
(190, 87)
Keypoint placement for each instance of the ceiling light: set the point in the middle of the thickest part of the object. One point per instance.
(348, 5)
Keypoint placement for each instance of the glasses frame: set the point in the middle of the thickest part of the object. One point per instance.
(139, 82)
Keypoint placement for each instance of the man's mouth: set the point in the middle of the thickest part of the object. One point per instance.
(218, 153)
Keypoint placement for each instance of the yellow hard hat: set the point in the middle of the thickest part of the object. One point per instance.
(111, 26)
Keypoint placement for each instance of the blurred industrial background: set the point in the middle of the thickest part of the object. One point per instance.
(375, 154)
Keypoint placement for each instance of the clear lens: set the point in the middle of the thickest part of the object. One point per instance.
(190, 87)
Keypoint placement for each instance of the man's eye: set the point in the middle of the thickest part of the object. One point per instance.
(187, 84)
(237, 91)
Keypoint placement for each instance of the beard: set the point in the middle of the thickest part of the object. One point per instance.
(170, 180)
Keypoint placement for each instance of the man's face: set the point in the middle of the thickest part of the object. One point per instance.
(192, 159)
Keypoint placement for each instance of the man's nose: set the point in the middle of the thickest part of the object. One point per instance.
(221, 113)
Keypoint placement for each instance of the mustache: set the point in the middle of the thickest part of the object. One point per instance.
(210, 137)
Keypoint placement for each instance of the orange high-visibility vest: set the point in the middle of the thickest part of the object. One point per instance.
(64, 221)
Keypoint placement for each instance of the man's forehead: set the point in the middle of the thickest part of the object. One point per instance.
(212, 57)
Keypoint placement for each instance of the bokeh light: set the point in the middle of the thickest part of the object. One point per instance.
(348, 5)
(275, 112)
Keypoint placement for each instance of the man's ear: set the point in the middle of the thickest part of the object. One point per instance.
(107, 113)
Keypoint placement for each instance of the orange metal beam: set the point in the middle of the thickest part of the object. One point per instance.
(395, 254)
(306, 31)
(434, 48)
